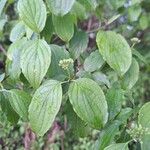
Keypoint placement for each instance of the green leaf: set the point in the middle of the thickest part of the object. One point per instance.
(11, 115)
(78, 44)
(89, 4)
(138, 55)
(64, 26)
(33, 14)
(79, 10)
(116, 4)
(55, 71)
(2, 76)
(93, 62)
(114, 97)
(20, 101)
(17, 32)
(77, 126)
(145, 144)
(115, 50)
(60, 7)
(88, 99)
(107, 135)
(144, 21)
(13, 65)
(44, 106)
(2, 4)
(131, 76)
(144, 117)
(124, 115)
(101, 79)
(35, 61)
(118, 146)
(134, 12)
(49, 29)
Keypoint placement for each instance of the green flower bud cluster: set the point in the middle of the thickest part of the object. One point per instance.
(138, 132)
(64, 64)
(135, 40)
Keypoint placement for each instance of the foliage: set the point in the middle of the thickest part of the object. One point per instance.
(75, 68)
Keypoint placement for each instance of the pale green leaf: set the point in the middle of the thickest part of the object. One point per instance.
(2, 4)
(115, 50)
(20, 101)
(60, 7)
(144, 21)
(131, 76)
(134, 12)
(144, 117)
(145, 144)
(33, 14)
(78, 44)
(93, 62)
(13, 65)
(2, 76)
(35, 61)
(17, 32)
(64, 26)
(88, 99)
(44, 106)
(118, 146)
(101, 78)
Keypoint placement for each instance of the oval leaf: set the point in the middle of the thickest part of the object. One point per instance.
(20, 101)
(144, 117)
(64, 26)
(13, 58)
(131, 76)
(93, 62)
(88, 101)
(60, 7)
(115, 50)
(35, 61)
(107, 135)
(44, 106)
(17, 32)
(118, 146)
(33, 13)
(78, 44)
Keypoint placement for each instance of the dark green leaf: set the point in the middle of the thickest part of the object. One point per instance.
(55, 71)
(78, 44)
(114, 97)
(11, 115)
(107, 135)
(20, 101)
(64, 26)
